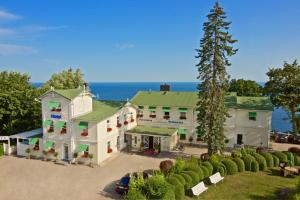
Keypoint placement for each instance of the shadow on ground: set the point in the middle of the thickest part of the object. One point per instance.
(109, 191)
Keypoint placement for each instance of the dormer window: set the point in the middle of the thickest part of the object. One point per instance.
(54, 106)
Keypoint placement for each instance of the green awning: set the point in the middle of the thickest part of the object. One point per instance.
(83, 125)
(48, 144)
(33, 140)
(252, 114)
(59, 124)
(184, 110)
(166, 109)
(83, 147)
(141, 107)
(152, 108)
(53, 104)
(47, 122)
(182, 131)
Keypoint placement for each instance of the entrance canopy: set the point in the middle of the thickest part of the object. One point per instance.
(37, 133)
(152, 130)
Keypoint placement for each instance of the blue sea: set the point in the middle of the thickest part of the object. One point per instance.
(124, 91)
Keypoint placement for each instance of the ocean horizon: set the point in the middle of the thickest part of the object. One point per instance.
(124, 91)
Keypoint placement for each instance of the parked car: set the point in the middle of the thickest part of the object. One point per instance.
(281, 138)
(122, 186)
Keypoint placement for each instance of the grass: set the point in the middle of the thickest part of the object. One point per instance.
(249, 185)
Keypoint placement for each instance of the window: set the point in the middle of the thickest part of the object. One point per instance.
(54, 106)
(166, 115)
(140, 113)
(118, 122)
(182, 115)
(108, 126)
(85, 149)
(182, 137)
(152, 110)
(109, 149)
(135, 139)
(85, 132)
(182, 133)
(84, 127)
(239, 139)
(252, 116)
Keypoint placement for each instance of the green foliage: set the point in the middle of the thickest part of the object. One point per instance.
(276, 161)
(236, 154)
(195, 177)
(179, 165)
(137, 183)
(134, 195)
(156, 187)
(297, 160)
(218, 167)
(261, 161)
(240, 164)
(1, 149)
(19, 111)
(205, 171)
(179, 178)
(254, 166)
(209, 166)
(245, 87)
(281, 156)
(215, 48)
(188, 181)
(67, 79)
(248, 160)
(283, 88)
(231, 166)
(269, 159)
(179, 187)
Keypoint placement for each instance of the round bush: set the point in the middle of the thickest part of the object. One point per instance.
(261, 161)
(219, 167)
(297, 160)
(205, 171)
(156, 187)
(248, 160)
(134, 194)
(236, 154)
(208, 166)
(169, 192)
(254, 166)
(281, 156)
(180, 178)
(188, 181)
(231, 167)
(197, 170)
(194, 176)
(179, 188)
(240, 164)
(269, 158)
(276, 161)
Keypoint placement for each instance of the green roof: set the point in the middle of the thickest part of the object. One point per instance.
(101, 110)
(69, 93)
(151, 130)
(189, 100)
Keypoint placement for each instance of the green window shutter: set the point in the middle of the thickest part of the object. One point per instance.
(252, 114)
(47, 123)
(59, 124)
(152, 108)
(166, 109)
(182, 131)
(83, 125)
(48, 144)
(83, 147)
(53, 104)
(183, 110)
(33, 140)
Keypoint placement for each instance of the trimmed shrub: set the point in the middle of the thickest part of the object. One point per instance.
(156, 187)
(179, 188)
(179, 165)
(205, 171)
(194, 176)
(254, 166)
(236, 154)
(166, 166)
(170, 192)
(281, 156)
(240, 164)
(231, 167)
(1, 149)
(261, 161)
(208, 166)
(269, 158)
(197, 170)
(134, 194)
(219, 167)
(180, 178)
(248, 160)
(188, 181)
(297, 160)
(275, 160)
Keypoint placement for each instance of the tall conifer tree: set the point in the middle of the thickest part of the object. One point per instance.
(215, 48)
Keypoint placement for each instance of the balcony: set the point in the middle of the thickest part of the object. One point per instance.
(152, 116)
(84, 134)
(166, 117)
(109, 129)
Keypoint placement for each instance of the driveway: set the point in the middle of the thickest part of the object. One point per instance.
(28, 179)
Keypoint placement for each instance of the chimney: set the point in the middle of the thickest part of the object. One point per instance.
(165, 87)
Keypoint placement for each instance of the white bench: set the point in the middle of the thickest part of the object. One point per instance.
(215, 178)
(199, 188)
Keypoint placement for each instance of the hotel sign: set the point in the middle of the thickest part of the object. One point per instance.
(54, 116)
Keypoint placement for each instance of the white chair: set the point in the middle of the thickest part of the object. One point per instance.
(215, 178)
(199, 188)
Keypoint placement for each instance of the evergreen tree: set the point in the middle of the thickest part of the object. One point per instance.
(215, 48)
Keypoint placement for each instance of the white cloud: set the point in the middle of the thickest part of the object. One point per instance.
(8, 16)
(39, 28)
(7, 32)
(12, 49)
(125, 46)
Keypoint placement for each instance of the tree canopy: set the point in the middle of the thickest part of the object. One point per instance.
(245, 87)
(284, 89)
(67, 79)
(215, 49)
(18, 109)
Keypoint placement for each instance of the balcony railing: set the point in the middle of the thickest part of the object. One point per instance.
(84, 134)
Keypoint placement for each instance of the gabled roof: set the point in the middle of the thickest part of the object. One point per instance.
(101, 111)
(67, 93)
(190, 99)
(152, 130)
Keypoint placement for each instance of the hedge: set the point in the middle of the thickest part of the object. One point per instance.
(180, 178)
(296, 159)
(231, 166)
(205, 171)
(156, 187)
(269, 158)
(188, 181)
(134, 194)
(254, 166)
(208, 166)
(218, 167)
(261, 161)
(1, 149)
(178, 187)
(248, 160)
(281, 156)
(197, 170)
(276, 161)
(240, 164)
(194, 176)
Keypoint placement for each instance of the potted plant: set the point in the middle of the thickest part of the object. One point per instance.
(157, 148)
(191, 140)
(56, 156)
(91, 156)
(75, 155)
(45, 153)
(28, 151)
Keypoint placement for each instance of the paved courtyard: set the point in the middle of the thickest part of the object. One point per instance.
(25, 179)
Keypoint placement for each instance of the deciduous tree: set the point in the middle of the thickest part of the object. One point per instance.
(245, 87)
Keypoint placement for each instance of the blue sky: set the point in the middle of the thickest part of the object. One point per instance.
(131, 40)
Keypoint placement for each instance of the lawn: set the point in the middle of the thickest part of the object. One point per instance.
(249, 185)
